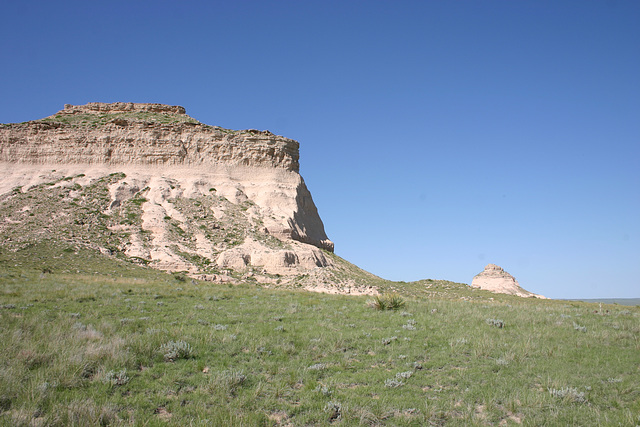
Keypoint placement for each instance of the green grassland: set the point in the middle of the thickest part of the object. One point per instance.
(99, 120)
(94, 340)
(95, 120)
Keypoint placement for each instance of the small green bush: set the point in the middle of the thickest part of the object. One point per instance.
(569, 393)
(174, 350)
(180, 276)
(579, 328)
(114, 378)
(387, 302)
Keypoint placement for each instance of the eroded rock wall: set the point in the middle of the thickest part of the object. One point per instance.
(140, 134)
(170, 155)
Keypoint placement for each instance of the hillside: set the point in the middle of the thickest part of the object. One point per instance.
(148, 183)
(93, 340)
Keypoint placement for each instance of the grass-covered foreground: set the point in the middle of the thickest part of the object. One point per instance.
(112, 344)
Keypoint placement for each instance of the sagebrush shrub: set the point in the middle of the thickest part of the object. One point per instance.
(393, 383)
(317, 367)
(174, 350)
(579, 328)
(116, 378)
(570, 393)
(498, 323)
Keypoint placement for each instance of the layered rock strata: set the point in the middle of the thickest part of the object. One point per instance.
(493, 278)
(140, 134)
(179, 172)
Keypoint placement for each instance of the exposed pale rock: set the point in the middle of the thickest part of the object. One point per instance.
(122, 133)
(495, 279)
(102, 107)
(148, 182)
(272, 261)
(159, 147)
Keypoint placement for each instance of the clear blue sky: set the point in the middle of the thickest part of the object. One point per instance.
(436, 136)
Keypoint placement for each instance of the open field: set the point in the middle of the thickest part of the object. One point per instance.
(89, 340)
(620, 301)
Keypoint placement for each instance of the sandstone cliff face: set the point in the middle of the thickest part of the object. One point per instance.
(140, 134)
(176, 193)
(493, 278)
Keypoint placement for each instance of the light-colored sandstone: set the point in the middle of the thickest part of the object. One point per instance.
(493, 278)
(118, 134)
(191, 157)
(237, 196)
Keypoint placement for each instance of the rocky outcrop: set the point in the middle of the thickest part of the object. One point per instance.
(183, 195)
(140, 134)
(118, 107)
(493, 278)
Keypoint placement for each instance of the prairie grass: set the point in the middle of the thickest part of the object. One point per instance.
(89, 348)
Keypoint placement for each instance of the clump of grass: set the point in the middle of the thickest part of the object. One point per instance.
(180, 277)
(317, 367)
(325, 391)
(174, 350)
(387, 341)
(410, 326)
(579, 328)
(398, 381)
(501, 361)
(390, 301)
(116, 378)
(230, 381)
(569, 393)
(393, 383)
(404, 375)
(498, 323)
(335, 409)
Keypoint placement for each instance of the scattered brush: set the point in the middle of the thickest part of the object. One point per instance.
(64, 358)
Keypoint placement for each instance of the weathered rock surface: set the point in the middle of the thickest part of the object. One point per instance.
(140, 134)
(495, 279)
(167, 190)
(163, 140)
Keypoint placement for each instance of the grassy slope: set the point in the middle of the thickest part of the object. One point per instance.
(82, 345)
(621, 301)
